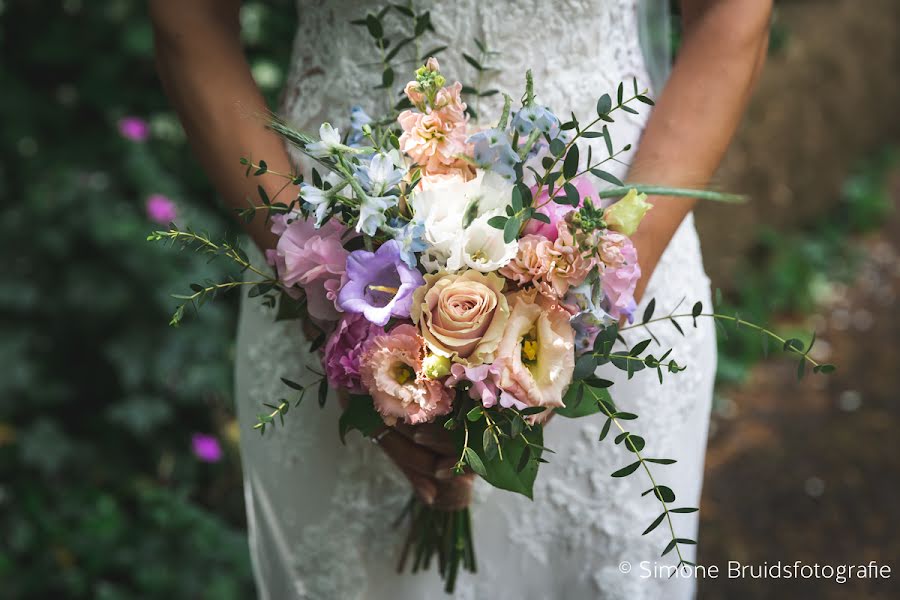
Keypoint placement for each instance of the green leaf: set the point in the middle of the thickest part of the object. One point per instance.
(604, 105)
(497, 222)
(605, 431)
(661, 461)
(655, 523)
(648, 312)
(323, 392)
(589, 405)
(645, 100)
(292, 384)
(511, 230)
(793, 345)
(532, 410)
(387, 77)
(639, 347)
(683, 510)
(608, 139)
(475, 414)
(489, 445)
(606, 176)
(620, 93)
(664, 493)
(475, 64)
(557, 147)
(570, 164)
(374, 26)
(475, 463)
(504, 474)
(626, 471)
(360, 415)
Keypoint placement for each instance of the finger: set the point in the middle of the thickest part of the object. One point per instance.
(454, 494)
(432, 436)
(406, 454)
(424, 487)
(445, 468)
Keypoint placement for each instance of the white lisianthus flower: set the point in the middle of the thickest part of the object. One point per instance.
(454, 213)
(482, 248)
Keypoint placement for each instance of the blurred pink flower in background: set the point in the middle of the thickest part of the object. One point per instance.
(134, 128)
(161, 210)
(206, 447)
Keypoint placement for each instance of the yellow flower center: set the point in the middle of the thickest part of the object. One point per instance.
(530, 348)
(403, 373)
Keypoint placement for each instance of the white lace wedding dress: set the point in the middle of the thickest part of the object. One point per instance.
(321, 514)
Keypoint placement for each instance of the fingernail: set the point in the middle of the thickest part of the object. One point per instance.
(443, 474)
(420, 438)
(427, 498)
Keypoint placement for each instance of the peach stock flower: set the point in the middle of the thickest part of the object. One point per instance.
(391, 370)
(552, 267)
(536, 358)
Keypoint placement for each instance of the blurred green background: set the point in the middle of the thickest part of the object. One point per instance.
(118, 445)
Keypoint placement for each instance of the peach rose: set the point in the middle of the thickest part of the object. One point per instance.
(535, 358)
(461, 316)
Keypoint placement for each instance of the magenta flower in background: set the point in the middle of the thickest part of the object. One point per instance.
(161, 210)
(134, 128)
(206, 447)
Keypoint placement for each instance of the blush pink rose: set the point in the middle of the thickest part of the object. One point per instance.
(391, 370)
(314, 259)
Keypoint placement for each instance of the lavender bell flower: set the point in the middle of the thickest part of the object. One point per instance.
(379, 284)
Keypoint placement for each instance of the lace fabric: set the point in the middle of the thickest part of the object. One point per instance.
(321, 514)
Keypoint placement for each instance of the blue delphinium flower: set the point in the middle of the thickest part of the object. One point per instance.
(371, 213)
(493, 151)
(411, 236)
(590, 318)
(358, 118)
(537, 117)
(315, 200)
(378, 175)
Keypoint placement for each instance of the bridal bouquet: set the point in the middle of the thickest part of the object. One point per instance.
(466, 274)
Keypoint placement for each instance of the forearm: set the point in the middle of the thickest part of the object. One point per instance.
(205, 75)
(698, 112)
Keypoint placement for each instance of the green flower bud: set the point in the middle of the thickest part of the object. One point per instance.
(625, 215)
(435, 366)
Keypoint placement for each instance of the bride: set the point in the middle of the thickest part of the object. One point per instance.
(321, 515)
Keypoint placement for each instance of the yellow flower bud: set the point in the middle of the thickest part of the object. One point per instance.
(625, 215)
(435, 366)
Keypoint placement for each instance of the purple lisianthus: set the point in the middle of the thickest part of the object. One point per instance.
(344, 348)
(379, 284)
(134, 129)
(206, 447)
(160, 209)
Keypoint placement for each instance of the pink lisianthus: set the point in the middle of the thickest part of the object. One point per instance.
(484, 387)
(343, 350)
(620, 275)
(390, 368)
(160, 209)
(557, 212)
(536, 357)
(314, 259)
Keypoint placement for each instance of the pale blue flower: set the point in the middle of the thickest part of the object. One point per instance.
(411, 237)
(358, 118)
(316, 200)
(493, 151)
(371, 213)
(379, 174)
(537, 117)
(590, 318)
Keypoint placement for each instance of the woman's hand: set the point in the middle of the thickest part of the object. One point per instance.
(426, 455)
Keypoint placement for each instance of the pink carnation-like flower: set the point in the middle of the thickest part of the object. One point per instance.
(314, 259)
(536, 356)
(344, 348)
(160, 209)
(557, 212)
(390, 368)
(620, 275)
(552, 267)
